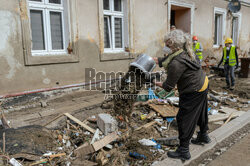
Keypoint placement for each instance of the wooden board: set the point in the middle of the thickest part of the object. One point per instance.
(106, 140)
(146, 125)
(221, 117)
(165, 110)
(80, 123)
(84, 150)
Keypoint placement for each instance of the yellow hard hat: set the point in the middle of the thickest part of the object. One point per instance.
(228, 41)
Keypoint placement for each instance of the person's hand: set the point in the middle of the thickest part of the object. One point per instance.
(157, 83)
(156, 60)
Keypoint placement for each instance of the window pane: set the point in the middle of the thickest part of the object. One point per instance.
(55, 1)
(118, 5)
(106, 4)
(118, 33)
(36, 0)
(36, 20)
(215, 28)
(107, 32)
(56, 30)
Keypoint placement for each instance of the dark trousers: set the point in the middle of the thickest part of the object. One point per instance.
(192, 112)
(229, 71)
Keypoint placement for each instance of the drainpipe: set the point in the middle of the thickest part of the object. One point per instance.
(54, 88)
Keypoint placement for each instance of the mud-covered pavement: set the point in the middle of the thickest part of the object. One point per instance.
(84, 105)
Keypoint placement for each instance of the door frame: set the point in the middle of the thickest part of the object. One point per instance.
(181, 4)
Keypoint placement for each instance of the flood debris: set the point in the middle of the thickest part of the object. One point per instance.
(130, 131)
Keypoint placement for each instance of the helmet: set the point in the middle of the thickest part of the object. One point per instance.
(195, 38)
(228, 41)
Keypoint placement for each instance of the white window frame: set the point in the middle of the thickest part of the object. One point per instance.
(238, 15)
(47, 7)
(114, 14)
(222, 12)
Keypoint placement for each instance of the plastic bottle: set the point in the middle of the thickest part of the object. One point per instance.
(137, 155)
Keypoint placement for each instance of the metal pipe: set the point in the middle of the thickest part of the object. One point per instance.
(54, 88)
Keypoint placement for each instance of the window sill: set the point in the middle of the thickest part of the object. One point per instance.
(111, 56)
(51, 59)
(216, 46)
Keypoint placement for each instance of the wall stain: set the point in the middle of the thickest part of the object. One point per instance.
(8, 36)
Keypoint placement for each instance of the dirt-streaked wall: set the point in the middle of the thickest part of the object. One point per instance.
(149, 25)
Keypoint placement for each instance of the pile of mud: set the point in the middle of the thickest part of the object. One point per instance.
(130, 85)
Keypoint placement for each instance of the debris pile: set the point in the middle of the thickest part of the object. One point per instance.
(131, 132)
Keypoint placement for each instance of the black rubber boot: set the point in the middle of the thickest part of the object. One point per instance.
(201, 139)
(181, 153)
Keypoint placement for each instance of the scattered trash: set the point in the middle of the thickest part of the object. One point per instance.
(157, 146)
(147, 142)
(173, 100)
(137, 155)
(213, 112)
(171, 141)
(14, 162)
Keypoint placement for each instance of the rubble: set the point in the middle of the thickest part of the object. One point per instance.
(128, 132)
(106, 123)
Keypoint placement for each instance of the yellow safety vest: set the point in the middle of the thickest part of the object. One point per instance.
(197, 46)
(232, 57)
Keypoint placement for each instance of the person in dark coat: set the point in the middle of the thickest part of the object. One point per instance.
(183, 69)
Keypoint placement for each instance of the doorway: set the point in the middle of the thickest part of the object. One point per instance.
(180, 17)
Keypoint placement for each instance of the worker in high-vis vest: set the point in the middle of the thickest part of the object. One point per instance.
(230, 62)
(197, 48)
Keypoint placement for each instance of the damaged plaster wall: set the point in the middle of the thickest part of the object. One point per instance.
(16, 77)
(204, 26)
(150, 24)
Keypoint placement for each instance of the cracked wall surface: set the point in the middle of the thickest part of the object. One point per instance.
(149, 25)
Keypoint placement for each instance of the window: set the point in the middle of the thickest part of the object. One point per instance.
(219, 26)
(236, 23)
(113, 12)
(48, 27)
(218, 29)
(235, 30)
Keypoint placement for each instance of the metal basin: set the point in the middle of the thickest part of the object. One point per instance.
(145, 63)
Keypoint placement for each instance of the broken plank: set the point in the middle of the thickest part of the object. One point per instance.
(146, 125)
(27, 156)
(40, 162)
(83, 150)
(150, 115)
(79, 122)
(164, 110)
(227, 110)
(57, 155)
(221, 117)
(229, 118)
(106, 140)
(4, 122)
(53, 120)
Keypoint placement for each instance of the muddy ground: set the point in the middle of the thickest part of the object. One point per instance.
(83, 104)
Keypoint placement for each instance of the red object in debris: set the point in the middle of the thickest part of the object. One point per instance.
(120, 118)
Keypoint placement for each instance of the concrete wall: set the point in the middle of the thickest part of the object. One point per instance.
(149, 25)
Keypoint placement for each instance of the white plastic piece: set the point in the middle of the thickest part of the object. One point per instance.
(14, 162)
(147, 142)
(213, 112)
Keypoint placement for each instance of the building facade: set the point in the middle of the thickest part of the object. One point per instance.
(50, 43)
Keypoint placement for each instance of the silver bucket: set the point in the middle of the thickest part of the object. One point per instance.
(145, 63)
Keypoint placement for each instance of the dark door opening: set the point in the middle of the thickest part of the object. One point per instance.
(181, 18)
